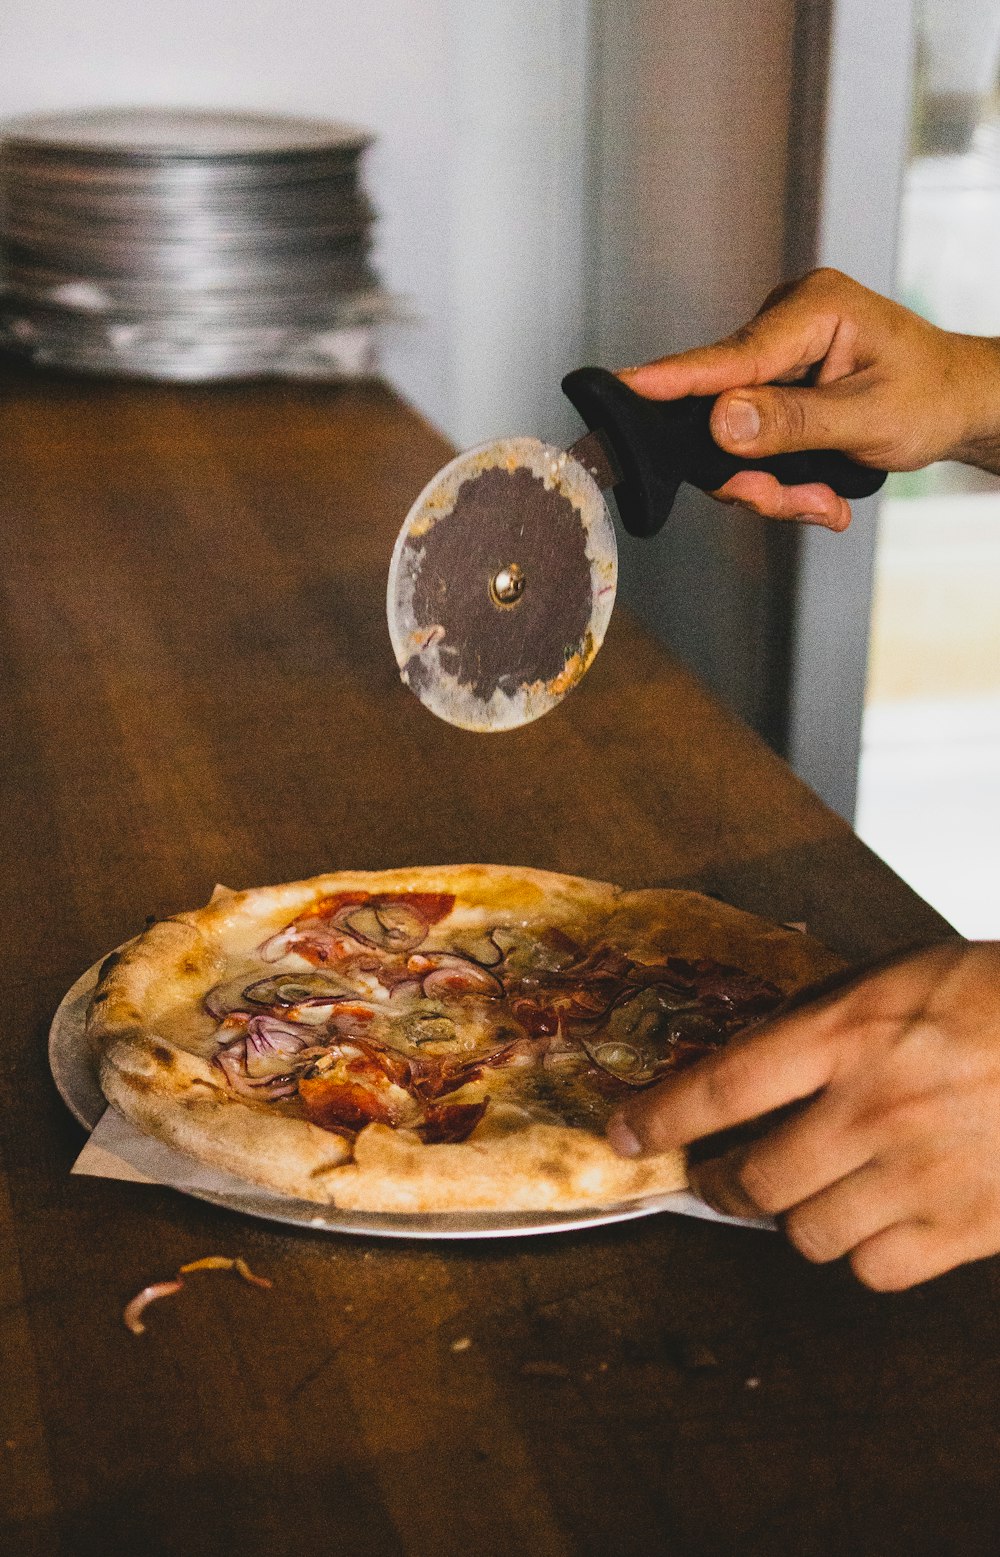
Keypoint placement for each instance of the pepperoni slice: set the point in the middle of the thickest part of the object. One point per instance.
(537, 1018)
(328, 907)
(338, 1105)
(450, 1122)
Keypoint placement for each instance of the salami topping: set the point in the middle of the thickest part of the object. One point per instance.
(451, 1122)
(592, 1017)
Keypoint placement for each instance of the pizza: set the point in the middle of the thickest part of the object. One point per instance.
(433, 1039)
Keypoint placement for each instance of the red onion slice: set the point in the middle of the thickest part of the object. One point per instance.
(298, 989)
(384, 926)
(478, 946)
(270, 1044)
(461, 978)
(407, 989)
(242, 1269)
(277, 946)
(225, 998)
(269, 1032)
(257, 1061)
(223, 1262)
(133, 1311)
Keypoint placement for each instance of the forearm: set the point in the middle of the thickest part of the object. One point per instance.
(976, 383)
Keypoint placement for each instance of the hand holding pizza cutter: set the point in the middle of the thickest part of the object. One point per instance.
(504, 574)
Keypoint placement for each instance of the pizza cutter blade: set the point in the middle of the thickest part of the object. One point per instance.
(502, 582)
(504, 574)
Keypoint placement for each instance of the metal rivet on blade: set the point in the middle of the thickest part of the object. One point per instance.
(507, 586)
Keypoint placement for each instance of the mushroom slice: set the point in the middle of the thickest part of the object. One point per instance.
(299, 989)
(621, 1060)
(430, 1027)
(388, 924)
(480, 946)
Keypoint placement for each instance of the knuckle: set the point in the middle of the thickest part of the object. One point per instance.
(909, 1122)
(813, 1241)
(825, 278)
(873, 1269)
(726, 1082)
(927, 1162)
(787, 415)
(760, 1186)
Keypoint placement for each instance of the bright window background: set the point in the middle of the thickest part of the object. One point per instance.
(929, 793)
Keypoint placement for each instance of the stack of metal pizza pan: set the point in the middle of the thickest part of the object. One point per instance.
(187, 245)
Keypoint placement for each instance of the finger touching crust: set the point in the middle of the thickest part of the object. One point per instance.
(541, 1168)
(907, 1254)
(751, 1077)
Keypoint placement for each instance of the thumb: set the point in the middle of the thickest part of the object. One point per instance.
(772, 419)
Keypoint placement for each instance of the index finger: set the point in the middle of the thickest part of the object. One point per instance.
(789, 1060)
(782, 341)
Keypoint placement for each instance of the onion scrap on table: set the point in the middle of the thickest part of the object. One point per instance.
(134, 1310)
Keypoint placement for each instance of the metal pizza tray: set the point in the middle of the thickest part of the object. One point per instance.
(76, 1081)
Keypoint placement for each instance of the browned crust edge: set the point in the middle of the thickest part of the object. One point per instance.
(177, 1097)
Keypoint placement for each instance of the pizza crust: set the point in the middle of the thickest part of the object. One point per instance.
(147, 1011)
(175, 1097)
(540, 1167)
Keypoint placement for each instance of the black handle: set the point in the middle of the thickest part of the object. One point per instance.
(660, 443)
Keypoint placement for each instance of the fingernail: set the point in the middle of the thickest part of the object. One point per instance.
(811, 519)
(624, 1141)
(702, 1184)
(742, 420)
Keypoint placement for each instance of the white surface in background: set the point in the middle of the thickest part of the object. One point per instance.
(478, 173)
(929, 803)
(951, 234)
(929, 787)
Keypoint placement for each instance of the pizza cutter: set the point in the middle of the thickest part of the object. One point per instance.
(504, 573)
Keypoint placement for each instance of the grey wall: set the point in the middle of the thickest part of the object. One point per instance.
(518, 173)
(857, 174)
(691, 130)
(736, 145)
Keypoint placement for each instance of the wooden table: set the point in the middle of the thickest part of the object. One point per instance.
(198, 687)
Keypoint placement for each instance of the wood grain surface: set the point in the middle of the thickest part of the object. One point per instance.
(197, 686)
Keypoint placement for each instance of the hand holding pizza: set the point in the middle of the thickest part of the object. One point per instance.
(894, 1157)
(827, 364)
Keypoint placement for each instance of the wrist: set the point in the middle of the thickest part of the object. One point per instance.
(977, 371)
